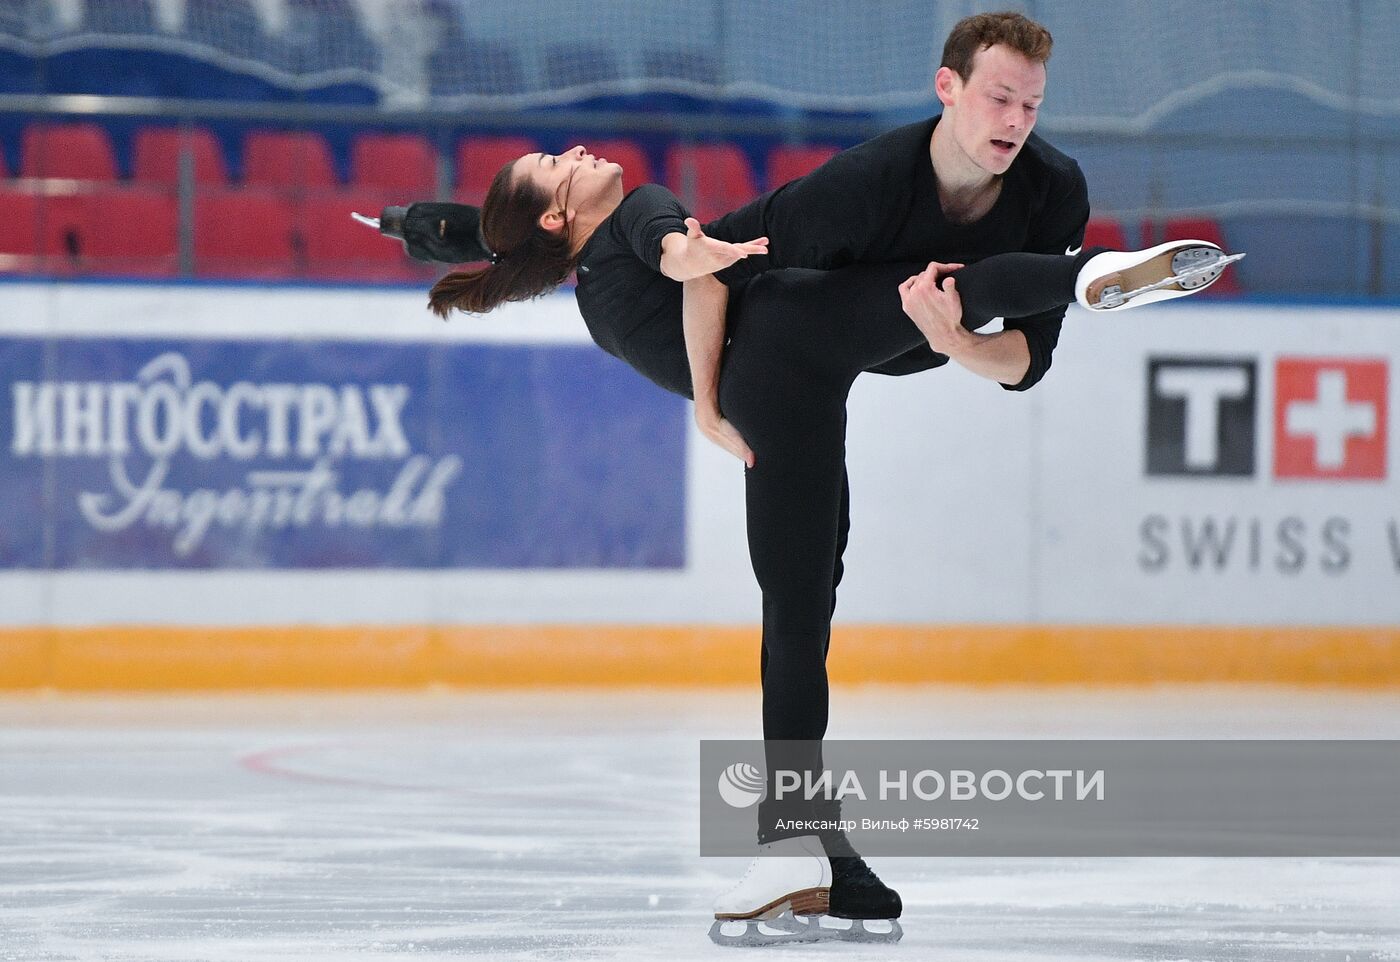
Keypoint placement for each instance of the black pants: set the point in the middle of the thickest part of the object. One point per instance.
(798, 340)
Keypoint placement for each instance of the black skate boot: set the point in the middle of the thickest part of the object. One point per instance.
(858, 894)
(435, 232)
(856, 891)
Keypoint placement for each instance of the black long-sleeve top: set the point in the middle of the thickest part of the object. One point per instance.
(632, 310)
(877, 203)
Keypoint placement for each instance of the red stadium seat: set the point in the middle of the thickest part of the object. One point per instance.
(19, 230)
(106, 231)
(287, 159)
(787, 162)
(157, 156)
(1103, 232)
(1206, 229)
(636, 167)
(131, 231)
(478, 160)
(395, 162)
(337, 247)
(76, 151)
(710, 179)
(249, 233)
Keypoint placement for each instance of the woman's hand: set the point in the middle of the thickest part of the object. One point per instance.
(700, 255)
(713, 425)
(931, 300)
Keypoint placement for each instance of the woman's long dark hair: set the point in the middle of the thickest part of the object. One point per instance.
(529, 260)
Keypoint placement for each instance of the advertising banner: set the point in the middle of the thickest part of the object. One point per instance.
(135, 453)
(168, 452)
(1229, 464)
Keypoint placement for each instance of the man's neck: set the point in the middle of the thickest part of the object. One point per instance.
(957, 176)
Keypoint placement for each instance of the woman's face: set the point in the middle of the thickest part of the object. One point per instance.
(575, 179)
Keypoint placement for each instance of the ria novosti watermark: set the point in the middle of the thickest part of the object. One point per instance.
(959, 784)
(1306, 798)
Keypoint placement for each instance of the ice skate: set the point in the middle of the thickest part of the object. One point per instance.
(430, 231)
(863, 908)
(780, 898)
(1116, 280)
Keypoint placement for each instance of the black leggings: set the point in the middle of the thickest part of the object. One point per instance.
(798, 340)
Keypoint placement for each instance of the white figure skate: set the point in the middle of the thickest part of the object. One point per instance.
(787, 883)
(1117, 280)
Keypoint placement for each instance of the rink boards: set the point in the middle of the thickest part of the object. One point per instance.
(230, 486)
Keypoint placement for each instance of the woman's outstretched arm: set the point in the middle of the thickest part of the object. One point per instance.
(692, 254)
(705, 303)
(693, 258)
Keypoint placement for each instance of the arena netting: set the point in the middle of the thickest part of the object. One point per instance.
(1274, 124)
(1118, 66)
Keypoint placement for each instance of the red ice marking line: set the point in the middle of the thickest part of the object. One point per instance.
(268, 762)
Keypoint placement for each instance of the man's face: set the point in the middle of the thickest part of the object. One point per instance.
(994, 111)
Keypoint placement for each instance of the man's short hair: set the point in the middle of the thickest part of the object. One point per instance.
(974, 34)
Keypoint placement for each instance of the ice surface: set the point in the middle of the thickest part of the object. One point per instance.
(561, 825)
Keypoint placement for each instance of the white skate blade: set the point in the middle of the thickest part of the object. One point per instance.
(863, 930)
(785, 928)
(1118, 280)
(810, 928)
(367, 221)
(1188, 279)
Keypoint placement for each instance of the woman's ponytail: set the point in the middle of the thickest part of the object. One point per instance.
(528, 260)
